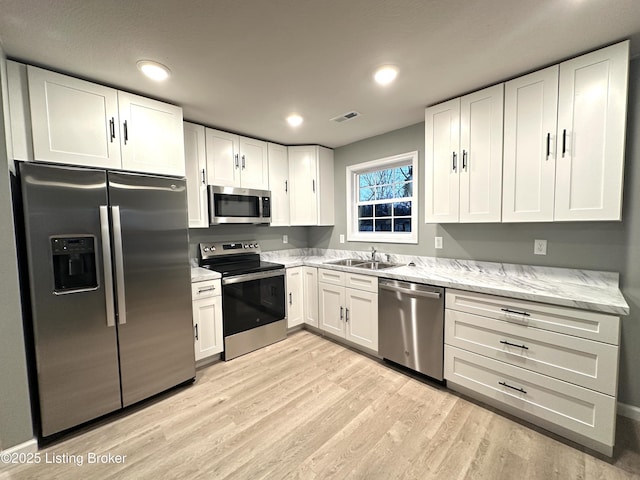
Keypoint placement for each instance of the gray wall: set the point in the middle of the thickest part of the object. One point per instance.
(611, 246)
(15, 410)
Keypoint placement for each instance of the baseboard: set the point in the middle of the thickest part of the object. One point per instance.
(629, 411)
(30, 446)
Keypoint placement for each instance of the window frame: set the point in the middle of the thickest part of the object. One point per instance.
(352, 172)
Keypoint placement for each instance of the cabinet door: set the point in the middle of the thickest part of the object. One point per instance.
(151, 135)
(442, 162)
(361, 318)
(295, 300)
(310, 295)
(196, 170)
(254, 164)
(207, 325)
(73, 121)
(331, 308)
(481, 115)
(279, 184)
(530, 124)
(324, 188)
(303, 183)
(223, 158)
(592, 104)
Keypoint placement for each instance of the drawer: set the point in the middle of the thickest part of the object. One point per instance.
(333, 277)
(580, 323)
(367, 283)
(208, 288)
(584, 362)
(585, 412)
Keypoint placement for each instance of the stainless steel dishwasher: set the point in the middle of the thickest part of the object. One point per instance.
(411, 325)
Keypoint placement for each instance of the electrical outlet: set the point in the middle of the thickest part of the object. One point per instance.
(540, 247)
(285, 238)
(438, 242)
(341, 238)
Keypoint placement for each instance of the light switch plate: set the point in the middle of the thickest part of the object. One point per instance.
(438, 242)
(285, 238)
(341, 238)
(540, 247)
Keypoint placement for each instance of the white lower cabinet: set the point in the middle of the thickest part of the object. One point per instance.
(207, 318)
(554, 366)
(348, 307)
(310, 295)
(302, 296)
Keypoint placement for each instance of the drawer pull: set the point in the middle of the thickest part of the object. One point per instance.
(506, 310)
(504, 384)
(504, 342)
(202, 290)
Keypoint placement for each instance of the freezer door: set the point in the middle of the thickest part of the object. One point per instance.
(153, 279)
(72, 310)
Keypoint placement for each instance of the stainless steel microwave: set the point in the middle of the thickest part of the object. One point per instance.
(238, 205)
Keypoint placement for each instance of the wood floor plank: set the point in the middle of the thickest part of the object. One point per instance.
(308, 408)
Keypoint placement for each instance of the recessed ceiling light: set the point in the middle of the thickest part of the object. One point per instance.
(294, 119)
(154, 70)
(385, 75)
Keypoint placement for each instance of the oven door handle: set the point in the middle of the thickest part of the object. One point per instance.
(247, 277)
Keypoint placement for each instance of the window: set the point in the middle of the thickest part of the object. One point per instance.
(381, 203)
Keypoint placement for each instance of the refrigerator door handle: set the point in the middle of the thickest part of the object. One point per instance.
(117, 249)
(107, 266)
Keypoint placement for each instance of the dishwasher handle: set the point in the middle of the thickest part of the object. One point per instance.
(418, 293)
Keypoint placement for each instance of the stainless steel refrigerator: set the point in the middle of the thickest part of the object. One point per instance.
(110, 289)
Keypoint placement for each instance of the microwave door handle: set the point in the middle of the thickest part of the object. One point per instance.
(107, 266)
(260, 207)
(119, 261)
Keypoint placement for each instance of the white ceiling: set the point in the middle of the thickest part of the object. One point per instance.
(244, 65)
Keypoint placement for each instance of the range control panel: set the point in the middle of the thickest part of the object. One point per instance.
(208, 250)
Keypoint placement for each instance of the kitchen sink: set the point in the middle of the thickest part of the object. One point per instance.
(347, 262)
(360, 263)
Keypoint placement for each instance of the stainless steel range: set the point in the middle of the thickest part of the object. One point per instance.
(253, 296)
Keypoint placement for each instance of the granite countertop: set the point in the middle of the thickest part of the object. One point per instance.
(199, 274)
(583, 289)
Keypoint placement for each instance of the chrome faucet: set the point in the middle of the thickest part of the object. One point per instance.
(373, 253)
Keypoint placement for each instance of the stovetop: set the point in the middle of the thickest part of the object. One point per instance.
(242, 267)
(234, 258)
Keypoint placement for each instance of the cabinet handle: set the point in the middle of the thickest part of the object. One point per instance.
(209, 289)
(313, 185)
(548, 145)
(464, 160)
(243, 163)
(126, 132)
(112, 128)
(286, 186)
(237, 161)
(564, 142)
(204, 180)
(290, 299)
(196, 327)
(504, 342)
(346, 316)
(506, 310)
(455, 161)
(504, 384)
(341, 313)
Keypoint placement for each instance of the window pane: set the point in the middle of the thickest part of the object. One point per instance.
(365, 225)
(383, 225)
(403, 174)
(404, 190)
(401, 209)
(384, 193)
(402, 225)
(367, 194)
(365, 211)
(383, 210)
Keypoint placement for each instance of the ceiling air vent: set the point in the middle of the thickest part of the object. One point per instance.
(345, 116)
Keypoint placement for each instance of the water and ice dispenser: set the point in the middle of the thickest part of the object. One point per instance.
(74, 263)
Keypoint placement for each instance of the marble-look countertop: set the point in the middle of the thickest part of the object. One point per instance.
(583, 289)
(199, 274)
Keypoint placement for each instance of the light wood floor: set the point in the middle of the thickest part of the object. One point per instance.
(307, 408)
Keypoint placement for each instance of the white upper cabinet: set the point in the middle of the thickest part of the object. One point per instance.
(279, 184)
(151, 135)
(196, 172)
(82, 123)
(73, 121)
(442, 182)
(463, 145)
(592, 110)
(235, 161)
(530, 120)
(311, 185)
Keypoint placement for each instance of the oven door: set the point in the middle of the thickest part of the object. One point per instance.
(252, 300)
